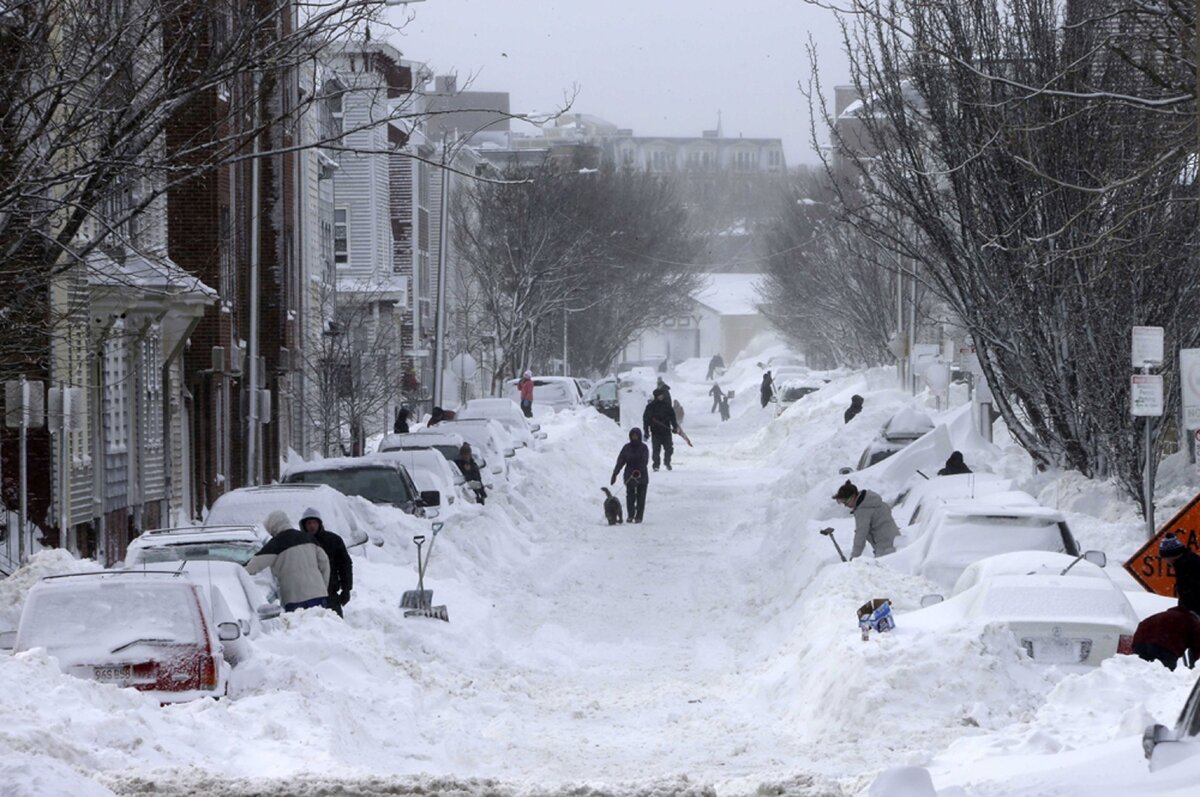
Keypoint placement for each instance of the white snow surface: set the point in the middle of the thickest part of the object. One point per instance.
(712, 650)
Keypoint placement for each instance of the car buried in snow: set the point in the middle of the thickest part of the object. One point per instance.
(384, 483)
(1165, 746)
(247, 505)
(446, 442)
(1062, 610)
(960, 532)
(487, 436)
(523, 431)
(556, 392)
(440, 482)
(147, 629)
(917, 501)
(902, 429)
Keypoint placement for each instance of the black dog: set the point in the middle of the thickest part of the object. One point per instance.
(612, 508)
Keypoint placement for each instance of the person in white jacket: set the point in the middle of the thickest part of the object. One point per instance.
(298, 563)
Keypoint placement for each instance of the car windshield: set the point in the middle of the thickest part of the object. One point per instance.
(380, 485)
(109, 615)
(239, 552)
(449, 450)
(606, 392)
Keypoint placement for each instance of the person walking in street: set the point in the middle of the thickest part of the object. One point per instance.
(715, 392)
(873, 521)
(470, 471)
(401, 425)
(525, 386)
(725, 407)
(1186, 564)
(299, 565)
(664, 387)
(713, 364)
(955, 465)
(856, 405)
(341, 569)
(634, 458)
(767, 391)
(659, 419)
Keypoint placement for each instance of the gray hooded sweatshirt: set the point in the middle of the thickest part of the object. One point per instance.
(298, 563)
(873, 523)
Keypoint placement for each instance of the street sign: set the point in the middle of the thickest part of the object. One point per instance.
(1189, 380)
(968, 360)
(1153, 573)
(1146, 392)
(1147, 346)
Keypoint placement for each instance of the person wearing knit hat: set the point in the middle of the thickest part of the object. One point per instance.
(873, 520)
(1186, 565)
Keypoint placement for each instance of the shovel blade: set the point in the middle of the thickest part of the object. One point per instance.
(434, 612)
(415, 599)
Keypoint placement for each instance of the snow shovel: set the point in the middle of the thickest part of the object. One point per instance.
(686, 439)
(828, 532)
(418, 602)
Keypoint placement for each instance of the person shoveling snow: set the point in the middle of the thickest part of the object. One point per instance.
(872, 520)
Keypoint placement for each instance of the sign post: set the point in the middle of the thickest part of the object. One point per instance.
(25, 404)
(1146, 392)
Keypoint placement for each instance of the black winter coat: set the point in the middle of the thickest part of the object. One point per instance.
(659, 418)
(635, 459)
(1187, 580)
(341, 570)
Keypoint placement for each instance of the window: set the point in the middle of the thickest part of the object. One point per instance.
(341, 237)
(337, 112)
(228, 284)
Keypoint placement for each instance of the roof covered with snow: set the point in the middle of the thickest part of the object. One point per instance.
(730, 294)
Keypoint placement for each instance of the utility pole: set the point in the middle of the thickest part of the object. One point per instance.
(439, 333)
(252, 374)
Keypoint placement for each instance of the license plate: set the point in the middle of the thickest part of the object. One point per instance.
(113, 673)
(1057, 651)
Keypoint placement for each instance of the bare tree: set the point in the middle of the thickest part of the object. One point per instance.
(352, 360)
(610, 248)
(1040, 159)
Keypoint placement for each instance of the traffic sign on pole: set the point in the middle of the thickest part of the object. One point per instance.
(1146, 392)
(1189, 381)
(1147, 346)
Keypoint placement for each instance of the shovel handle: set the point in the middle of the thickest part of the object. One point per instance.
(418, 539)
(827, 530)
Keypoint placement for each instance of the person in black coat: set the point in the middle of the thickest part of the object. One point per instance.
(767, 391)
(634, 458)
(401, 426)
(856, 405)
(659, 419)
(470, 471)
(954, 465)
(717, 395)
(341, 569)
(713, 364)
(1187, 570)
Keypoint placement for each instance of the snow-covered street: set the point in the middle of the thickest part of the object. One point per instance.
(710, 650)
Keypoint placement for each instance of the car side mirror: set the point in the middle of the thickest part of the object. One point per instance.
(431, 498)
(845, 470)
(269, 611)
(931, 600)
(1155, 735)
(227, 632)
(377, 542)
(8, 640)
(1098, 558)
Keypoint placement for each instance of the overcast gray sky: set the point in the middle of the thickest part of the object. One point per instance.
(662, 67)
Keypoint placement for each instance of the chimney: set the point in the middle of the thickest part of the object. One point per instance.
(843, 96)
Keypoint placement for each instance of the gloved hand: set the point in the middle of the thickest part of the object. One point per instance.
(344, 597)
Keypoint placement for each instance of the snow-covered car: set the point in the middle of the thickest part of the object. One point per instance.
(146, 629)
(487, 436)
(902, 429)
(1061, 609)
(960, 532)
(605, 399)
(1165, 746)
(446, 442)
(253, 504)
(794, 389)
(917, 501)
(242, 600)
(508, 415)
(387, 483)
(233, 544)
(432, 473)
(556, 392)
